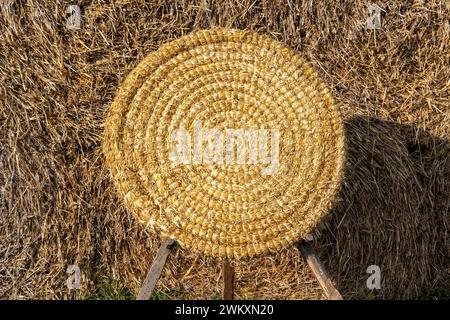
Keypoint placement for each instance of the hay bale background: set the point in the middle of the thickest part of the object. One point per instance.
(58, 206)
(386, 215)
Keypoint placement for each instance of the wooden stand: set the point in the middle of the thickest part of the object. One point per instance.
(319, 270)
(305, 248)
(228, 280)
(155, 270)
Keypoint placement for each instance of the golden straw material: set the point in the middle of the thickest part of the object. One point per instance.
(226, 79)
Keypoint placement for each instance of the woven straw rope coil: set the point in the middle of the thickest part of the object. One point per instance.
(225, 79)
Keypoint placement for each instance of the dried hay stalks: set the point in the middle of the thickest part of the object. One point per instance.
(386, 216)
(58, 207)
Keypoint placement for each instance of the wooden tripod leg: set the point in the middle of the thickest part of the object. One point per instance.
(155, 270)
(319, 271)
(228, 280)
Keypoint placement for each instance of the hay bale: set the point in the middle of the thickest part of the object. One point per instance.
(383, 217)
(58, 206)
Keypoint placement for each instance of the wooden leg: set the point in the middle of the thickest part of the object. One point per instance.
(228, 280)
(155, 270)
(319, 271)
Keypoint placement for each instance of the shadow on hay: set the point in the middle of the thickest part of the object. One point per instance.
(392, 211)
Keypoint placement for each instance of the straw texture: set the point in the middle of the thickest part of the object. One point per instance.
(227, 79)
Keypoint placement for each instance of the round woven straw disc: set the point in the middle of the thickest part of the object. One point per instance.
(226, 81)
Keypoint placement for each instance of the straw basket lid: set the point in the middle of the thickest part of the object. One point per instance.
(250, 92)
